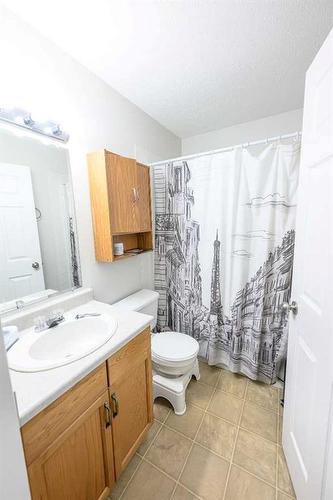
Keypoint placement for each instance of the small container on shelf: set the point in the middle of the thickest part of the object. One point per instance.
(118, 248)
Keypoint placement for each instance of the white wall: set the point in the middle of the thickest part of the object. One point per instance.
(38, 76)
(284, 123)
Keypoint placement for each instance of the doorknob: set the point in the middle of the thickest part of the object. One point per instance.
(293, 307)
(35, 265)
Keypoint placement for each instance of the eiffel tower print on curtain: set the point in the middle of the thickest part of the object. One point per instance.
(216, 308)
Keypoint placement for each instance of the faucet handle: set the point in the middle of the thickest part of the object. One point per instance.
(85, 315)
(55, 314)
(40, 323)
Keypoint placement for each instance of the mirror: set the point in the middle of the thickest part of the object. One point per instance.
(38, 240)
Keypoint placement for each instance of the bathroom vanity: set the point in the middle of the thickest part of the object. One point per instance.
(83, 422)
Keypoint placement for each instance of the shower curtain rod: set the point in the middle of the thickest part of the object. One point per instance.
(297, 135)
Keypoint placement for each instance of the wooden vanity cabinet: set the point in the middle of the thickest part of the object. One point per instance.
(68, 446)
(79, 463)
(130, 380)
(120, 204)
(77, 447)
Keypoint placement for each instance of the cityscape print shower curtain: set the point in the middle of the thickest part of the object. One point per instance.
(225, 231)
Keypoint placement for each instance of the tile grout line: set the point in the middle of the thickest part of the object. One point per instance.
(238, 426)
(272, 485)
(259, 435)
(205, 411)
(210, 412)
(254, 434)
(130, 479)
(142, 457)
(235, 443)
(168, 476)
(145, 459)
(285, 494)
(195, 436)
(237, 397)
(254, 475)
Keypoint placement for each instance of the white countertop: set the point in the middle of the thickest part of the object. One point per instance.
(35, 391)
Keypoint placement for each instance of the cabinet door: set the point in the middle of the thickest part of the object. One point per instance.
(143, 198)
(130, 378)
(79, 463)
(122, 182)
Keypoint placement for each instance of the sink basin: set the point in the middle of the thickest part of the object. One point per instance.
(69, 341)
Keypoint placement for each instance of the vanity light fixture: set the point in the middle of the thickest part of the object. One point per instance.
(21, 118)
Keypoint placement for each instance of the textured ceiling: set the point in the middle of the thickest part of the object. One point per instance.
(194, 66)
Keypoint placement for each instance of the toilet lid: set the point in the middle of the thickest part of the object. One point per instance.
(174, 346)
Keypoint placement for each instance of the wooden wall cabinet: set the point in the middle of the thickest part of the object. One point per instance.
(120, 204)
(78, 446)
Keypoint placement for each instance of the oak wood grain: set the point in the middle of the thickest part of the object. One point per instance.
(130, 379)
(143, 205)
(122, 181)
(79, 463)
(100, 210)
(120, 195)
(41, 431)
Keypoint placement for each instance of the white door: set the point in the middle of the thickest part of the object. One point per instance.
(21, 271)
(308, 417)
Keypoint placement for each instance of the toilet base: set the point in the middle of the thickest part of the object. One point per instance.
(173, 388)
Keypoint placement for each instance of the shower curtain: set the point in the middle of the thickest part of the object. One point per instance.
(224, 229)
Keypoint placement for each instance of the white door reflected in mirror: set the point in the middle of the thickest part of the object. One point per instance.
(20, 254)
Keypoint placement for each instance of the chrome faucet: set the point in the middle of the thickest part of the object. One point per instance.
(41, 323)
(19, 304)
(79, 316)
(54, 321)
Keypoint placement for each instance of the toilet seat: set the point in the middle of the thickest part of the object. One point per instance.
(173, 353)
(174, 346)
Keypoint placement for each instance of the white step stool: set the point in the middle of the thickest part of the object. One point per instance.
(174, 388)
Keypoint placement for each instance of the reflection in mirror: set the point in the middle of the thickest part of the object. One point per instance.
(38, 243)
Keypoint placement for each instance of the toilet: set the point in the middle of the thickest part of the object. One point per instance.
(174, 354)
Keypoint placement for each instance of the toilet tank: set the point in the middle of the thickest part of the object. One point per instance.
(144, 301)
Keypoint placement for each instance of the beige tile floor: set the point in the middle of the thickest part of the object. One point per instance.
(227, 446)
